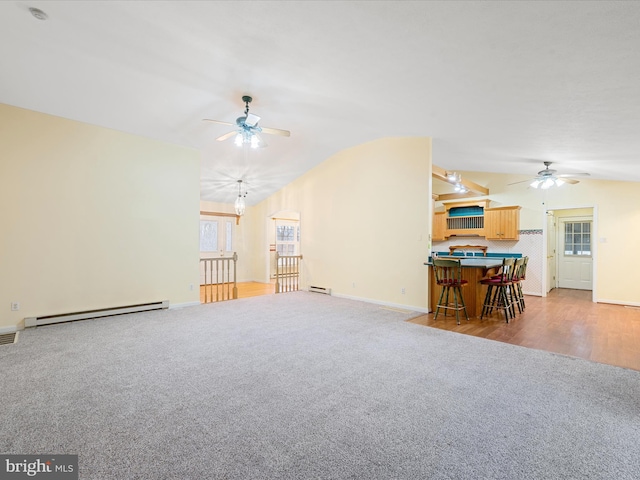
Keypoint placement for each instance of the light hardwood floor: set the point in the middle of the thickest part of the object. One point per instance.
(248, 289)
(565, 322)
(255, 289)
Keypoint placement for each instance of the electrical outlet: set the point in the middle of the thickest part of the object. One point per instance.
(403, 291)
(353, 284)
(15, 306)
(191, 286)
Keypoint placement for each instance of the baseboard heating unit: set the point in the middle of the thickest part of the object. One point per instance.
(326, 291)
(103, 312)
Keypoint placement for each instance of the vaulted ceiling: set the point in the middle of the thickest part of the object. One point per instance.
(499, 86)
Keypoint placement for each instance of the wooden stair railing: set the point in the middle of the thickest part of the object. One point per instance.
(220, 278)
(287, 273)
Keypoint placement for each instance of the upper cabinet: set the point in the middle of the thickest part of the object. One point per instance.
(502, 223)
(475, 218)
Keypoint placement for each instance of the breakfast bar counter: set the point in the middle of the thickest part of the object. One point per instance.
(474, 269)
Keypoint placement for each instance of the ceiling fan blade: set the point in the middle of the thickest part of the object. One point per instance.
(565, 175)
(570, 181)
(276, 131)
(522, 181)
(217, 121)
(222, 138)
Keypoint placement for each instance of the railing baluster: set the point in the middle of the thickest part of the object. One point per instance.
(287, 273)
(226, 287)
(277, 272)
(210, 280)
(229, 279)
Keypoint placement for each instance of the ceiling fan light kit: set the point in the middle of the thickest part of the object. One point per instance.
(252, 140)
(547, 183)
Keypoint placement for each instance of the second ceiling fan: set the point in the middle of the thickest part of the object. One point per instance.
(548, 178)
(247, 130)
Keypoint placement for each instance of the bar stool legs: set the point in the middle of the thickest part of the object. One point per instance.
(457, 304)
(499, 290)
(448, 275)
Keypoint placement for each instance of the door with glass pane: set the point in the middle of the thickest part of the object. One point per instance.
(287, 236)
(575, 260)
(216, 236)
(216, 240)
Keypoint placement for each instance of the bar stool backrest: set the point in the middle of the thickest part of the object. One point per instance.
(506, 272)
(522, 274)
(448, 272)
(517, 269)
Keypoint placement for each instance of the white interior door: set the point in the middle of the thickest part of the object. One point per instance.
(287, 240)
(575, 260)
(552, 243)
(217, 237)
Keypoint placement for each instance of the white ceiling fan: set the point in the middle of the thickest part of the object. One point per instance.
(548, 178)
(247, 130)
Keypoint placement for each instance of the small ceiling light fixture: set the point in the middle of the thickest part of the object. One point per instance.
(453, 177)
(39, 14)
(456, 179)
(240, 204)
(459, 188)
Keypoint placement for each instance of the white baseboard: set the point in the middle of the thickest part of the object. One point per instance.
(618, 302)
(183, 305)
(4, 330)
(533, 294)
(400, 306)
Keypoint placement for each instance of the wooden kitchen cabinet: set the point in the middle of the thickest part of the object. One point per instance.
(439, 226)
(502, 223)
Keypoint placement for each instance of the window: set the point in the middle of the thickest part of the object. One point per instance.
(208, 236)
(287, 238)
(284, 233)
(577, 238)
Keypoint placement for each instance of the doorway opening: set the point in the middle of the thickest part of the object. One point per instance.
(570, 249)
(283, 231)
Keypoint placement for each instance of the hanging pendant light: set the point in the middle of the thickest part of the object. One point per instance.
(240, 204)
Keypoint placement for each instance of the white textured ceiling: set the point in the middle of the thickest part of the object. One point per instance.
(499, 86)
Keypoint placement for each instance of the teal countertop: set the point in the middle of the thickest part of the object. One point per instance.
(473, 262)
(491, 260)
(479, 255)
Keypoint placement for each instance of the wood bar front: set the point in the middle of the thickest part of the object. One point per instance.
(473, 270)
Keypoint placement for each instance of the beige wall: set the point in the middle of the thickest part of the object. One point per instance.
(616, 219)
(92, 217)
(364, 218)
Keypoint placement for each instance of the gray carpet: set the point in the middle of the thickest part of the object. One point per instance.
(306, 386)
